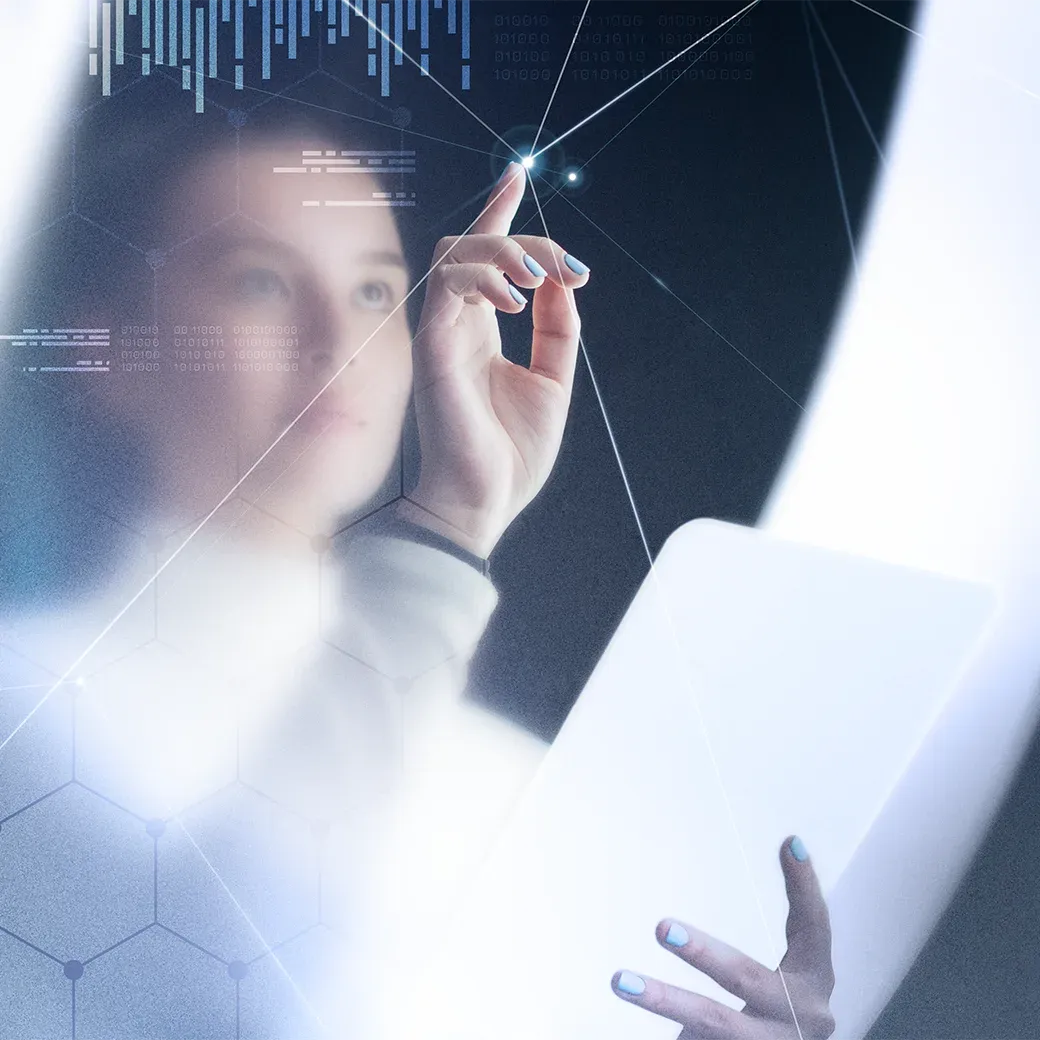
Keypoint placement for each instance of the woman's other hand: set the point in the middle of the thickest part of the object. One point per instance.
(804, 981)
(490, 430)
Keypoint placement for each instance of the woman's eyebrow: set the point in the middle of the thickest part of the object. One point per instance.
(383, 257)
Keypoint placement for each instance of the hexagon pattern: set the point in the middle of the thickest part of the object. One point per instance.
(166, 868)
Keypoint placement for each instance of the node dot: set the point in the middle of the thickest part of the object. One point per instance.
(237, 118)
(155, 828)
(73, 970)
(527, 161)
(156, 258)
(402, 116)
(320, 543)
(238, 970)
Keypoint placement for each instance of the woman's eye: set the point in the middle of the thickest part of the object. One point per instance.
(260, 283)
(374, 296)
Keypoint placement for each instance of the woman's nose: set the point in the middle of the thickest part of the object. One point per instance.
(325, 335)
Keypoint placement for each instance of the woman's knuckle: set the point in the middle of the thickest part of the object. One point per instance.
(817, 1022)
(750, 978)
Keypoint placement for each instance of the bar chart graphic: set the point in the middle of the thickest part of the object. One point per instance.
(206, 39)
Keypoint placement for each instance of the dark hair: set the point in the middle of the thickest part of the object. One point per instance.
(74, 484)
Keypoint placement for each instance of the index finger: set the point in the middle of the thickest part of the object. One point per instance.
(503, 202)
(808, 921)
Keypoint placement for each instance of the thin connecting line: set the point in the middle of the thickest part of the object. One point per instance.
(649, 75)
(268, 948)
(695, 699)
(848, 84)
(664, 89)
(272, 95)
(679, 299)
(428, 75)
(559, 78)
(983, 68)
(241, 480)
(830, 143)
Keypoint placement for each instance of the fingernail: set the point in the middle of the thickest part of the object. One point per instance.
(518, 296)
(508, 170)
(630, 983)
(677, 935)
(575, 264)
(534, 267)
(798, 850)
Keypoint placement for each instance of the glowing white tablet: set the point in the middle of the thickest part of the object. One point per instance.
(755, 688)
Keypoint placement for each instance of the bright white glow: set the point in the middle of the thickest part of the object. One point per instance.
(572, 176)
(528, 161)
(41, 73)
(921, 445)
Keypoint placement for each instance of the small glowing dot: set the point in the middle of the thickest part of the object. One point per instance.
(528, 161)
(81, 682)
(572, 176)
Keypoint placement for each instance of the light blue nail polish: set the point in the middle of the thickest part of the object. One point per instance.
(534, 267)
(518, 296)
(677, 935)
(798, 850)
(631, 984)
(575, 264)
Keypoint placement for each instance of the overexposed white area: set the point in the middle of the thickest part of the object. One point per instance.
(922, 446)
(42, 43)
(754, 687)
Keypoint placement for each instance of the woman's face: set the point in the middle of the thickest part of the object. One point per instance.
(297, 293)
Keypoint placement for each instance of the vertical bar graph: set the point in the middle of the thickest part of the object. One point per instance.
(166, 28)
(200, 63)
(120, 16)
(384, 23)
(266, 27)
(106, 49)
(213, 38)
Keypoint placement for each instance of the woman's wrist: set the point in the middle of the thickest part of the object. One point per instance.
(474, 537)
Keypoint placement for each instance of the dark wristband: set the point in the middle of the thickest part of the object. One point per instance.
(397, 527)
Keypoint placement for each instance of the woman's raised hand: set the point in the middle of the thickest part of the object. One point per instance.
(489, 429)
(805, 985)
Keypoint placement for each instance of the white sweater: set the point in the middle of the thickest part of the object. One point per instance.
(371, 772)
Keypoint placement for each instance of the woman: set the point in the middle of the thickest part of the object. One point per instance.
(260, 644)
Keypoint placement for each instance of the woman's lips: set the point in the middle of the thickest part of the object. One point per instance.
(320, 416)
